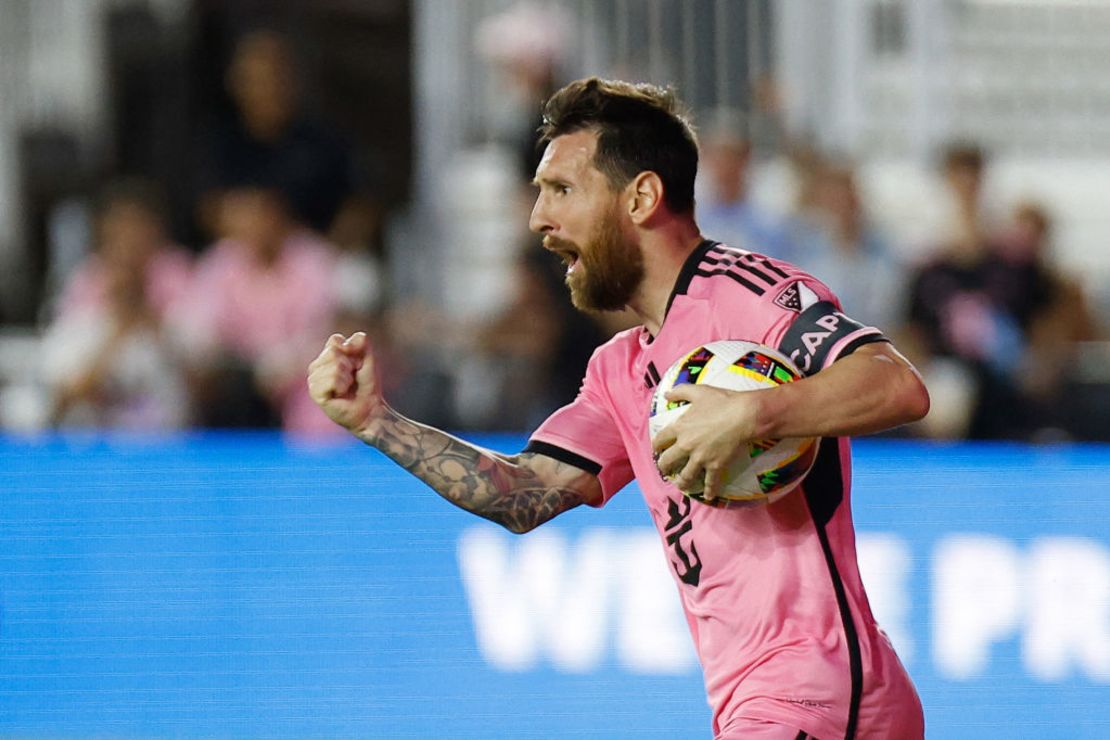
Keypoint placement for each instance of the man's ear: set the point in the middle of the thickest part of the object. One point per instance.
(645, 197)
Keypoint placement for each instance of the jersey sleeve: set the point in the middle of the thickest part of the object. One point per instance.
(809, 327)
(584, 434)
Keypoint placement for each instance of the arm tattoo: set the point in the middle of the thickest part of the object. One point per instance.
(479, 481)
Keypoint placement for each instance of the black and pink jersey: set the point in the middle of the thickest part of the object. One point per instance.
(772, 593)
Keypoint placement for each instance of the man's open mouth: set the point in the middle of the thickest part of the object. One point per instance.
(567, 254)
(570, 259)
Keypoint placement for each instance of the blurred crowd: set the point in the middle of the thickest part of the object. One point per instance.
(982, 310)
(144, 334)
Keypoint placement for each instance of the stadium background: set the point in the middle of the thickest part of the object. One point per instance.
(248, 583)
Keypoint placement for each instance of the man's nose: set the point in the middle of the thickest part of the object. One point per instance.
(539, 221)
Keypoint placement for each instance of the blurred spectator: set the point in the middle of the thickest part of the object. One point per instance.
(835, 240)
(1054, 335)
(968, 219)
(260, 306)
(527, 45)
(106, 356)
(725, 209)
(270, 142)
(995, 308)
(537, 349)
(361, 285)
(131, 236)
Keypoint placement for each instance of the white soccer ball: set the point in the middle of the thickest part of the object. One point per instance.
(768, 469)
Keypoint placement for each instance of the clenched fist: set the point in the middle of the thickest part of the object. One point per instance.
(342, 382)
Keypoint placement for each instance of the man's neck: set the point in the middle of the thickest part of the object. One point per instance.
(665, 252)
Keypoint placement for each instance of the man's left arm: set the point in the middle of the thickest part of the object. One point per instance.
(872, 389)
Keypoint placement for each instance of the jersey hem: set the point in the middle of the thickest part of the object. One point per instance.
(802, 721)
(563, 455)
(854, 341)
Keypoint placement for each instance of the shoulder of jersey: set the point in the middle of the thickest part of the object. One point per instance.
(747, 275)
(620, 344)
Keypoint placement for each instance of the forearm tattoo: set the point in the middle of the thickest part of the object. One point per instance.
(477, 480)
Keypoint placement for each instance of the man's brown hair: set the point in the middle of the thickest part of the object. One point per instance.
(640, 127)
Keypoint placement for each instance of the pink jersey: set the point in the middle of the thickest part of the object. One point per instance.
(772, 593)
(272, 316)
(167, 281)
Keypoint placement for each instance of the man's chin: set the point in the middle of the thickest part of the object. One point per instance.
(579, 299)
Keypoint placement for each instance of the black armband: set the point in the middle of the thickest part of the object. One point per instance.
(821, 332)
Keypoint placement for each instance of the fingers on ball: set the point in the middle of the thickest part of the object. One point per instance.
(688, 473)
(712, 481)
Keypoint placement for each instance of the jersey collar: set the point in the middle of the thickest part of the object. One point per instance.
(682, 283)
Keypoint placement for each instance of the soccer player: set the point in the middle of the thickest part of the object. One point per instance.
(772, 594)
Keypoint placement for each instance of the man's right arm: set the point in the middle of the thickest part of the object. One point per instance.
(519, 492)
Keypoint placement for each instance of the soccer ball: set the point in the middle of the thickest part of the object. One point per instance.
(769, 468)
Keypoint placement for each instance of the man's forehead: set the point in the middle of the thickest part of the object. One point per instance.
(572, 152)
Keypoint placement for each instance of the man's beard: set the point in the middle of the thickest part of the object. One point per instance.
(609, 271)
